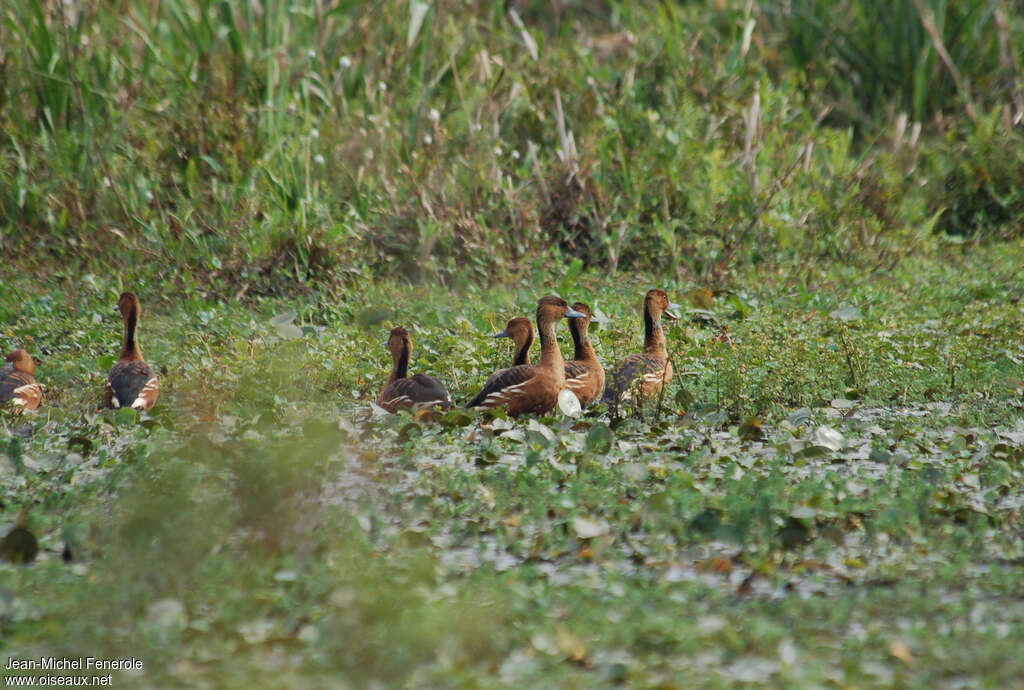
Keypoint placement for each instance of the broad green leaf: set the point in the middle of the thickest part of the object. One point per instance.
(284, 318)
(569, 404)
(826, 437)
(847, 313)
(588, 529)
(599, 439)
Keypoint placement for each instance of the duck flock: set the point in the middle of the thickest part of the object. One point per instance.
(523, 388)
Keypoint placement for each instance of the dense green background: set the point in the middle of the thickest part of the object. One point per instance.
(828, 495)
(263, 144)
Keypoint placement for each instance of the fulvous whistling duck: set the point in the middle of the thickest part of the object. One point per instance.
(131, 383)
(530, 388)
(415, 391)
(17, 384)
(650, 366)
(520, 330)
(584, 375)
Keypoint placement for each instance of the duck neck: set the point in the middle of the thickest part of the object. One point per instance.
(654, 337)
(130, 346)
(522, 355)
(582, 349)
(550, 354)
(400, 365)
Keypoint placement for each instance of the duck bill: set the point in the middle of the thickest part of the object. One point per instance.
(673, 311)
(573, 314)
(503, 334)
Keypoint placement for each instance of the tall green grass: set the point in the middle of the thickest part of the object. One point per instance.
(876, 55)
(260, 145)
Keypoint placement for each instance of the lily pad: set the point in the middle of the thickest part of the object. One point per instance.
(569, 404)
(827, 437)
(284, 318)
(847, 313)
(588, 529)
(599, 439)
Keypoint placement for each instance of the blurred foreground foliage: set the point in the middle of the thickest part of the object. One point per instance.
(839, 451)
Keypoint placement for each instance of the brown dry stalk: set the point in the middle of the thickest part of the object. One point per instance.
(715, 268)
(1008, 61)
(928, 21)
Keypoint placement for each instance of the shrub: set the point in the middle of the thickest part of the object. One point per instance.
(979, 173)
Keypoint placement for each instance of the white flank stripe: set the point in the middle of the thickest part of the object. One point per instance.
(140, 401)
(499, 396)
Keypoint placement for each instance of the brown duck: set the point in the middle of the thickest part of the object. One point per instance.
(584, 375)
(529, 388)
(18, 385)
(131, 383)
(520, 331)
(401, 391)
(648, 370)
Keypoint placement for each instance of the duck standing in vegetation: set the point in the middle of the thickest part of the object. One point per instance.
(401, 391)
(530, 388)
(584, 375)
(18, 385)
(648, 370)
(131, 383)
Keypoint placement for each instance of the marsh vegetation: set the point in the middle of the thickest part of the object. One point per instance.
(828, 493)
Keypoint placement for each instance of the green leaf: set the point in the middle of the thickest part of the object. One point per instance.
(125, 416)
(536, 438)
(569, 404)
(284, 318)
(684, 399)
(15, 454)
(847, 313)
(588, 529)
(829, 438)
(599, 439)
(456, 417)
(373, 316)
(289, 331)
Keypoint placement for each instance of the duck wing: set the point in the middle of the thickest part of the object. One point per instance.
(416, 390)
(20, 388)
(501, 384)
(132, 384)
